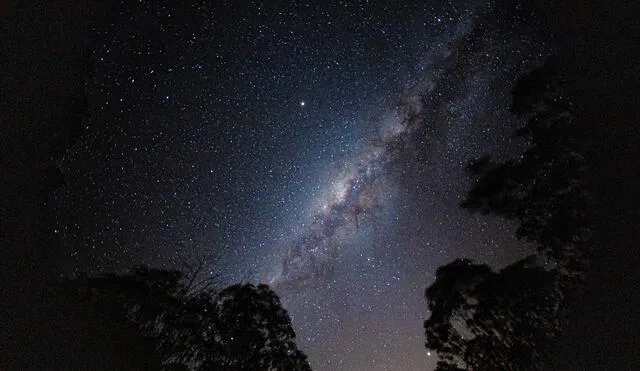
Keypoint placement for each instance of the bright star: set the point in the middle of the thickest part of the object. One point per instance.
(302, 104)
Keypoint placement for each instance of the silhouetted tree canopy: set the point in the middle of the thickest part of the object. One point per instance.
(543, 188)
(485, 320)
(243, 327)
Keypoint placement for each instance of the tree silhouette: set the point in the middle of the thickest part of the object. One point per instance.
(482, 320)
(543, 188)
(485, 320)
(256, 330)
(243, 327)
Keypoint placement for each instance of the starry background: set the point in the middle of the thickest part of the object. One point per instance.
(332, 138)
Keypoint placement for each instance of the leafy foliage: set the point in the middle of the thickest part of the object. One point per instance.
(543, 188)
(485, 320)
(243, 327)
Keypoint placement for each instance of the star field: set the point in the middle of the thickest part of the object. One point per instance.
(318, 148)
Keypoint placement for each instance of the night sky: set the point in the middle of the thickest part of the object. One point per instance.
(318, 148)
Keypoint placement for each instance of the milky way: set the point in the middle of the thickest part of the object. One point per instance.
(199, 147)
(352, 196)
